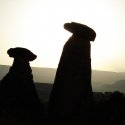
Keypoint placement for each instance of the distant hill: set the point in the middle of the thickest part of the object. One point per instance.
(107, 77)
(107, 81)
(117, 86)
(101, 80)
(3, 70)
(44, 75)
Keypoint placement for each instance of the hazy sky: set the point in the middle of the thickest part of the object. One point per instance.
(38, 26)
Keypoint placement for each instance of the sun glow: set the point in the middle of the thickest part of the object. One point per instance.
(38, 26)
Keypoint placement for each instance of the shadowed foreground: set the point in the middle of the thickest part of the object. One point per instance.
(108, 107)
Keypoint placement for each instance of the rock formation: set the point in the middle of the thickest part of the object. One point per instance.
(71, 96)
(19, 103)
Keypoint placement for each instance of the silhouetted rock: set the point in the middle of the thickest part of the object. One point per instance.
(80, 30)
(71, 97)
(19, 103)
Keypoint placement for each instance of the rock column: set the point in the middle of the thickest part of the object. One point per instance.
(71, 96)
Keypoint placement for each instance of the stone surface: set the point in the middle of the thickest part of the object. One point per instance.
(71, 96)
(19, 103)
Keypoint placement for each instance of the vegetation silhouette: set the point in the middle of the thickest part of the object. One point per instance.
(71, 97)
(19, 103)
(109, 108)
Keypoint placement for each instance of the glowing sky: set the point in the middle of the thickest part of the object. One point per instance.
(38, 26)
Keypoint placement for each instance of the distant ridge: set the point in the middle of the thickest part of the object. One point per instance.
(3, 70)
(44, 75)
(101, 80)
(118, 86)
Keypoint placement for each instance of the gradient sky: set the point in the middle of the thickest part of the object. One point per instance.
(38, 26)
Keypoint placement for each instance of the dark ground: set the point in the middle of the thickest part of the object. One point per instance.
(108, 107)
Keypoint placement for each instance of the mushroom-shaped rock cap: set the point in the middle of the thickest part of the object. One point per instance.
(21, 52)
(81, 30)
